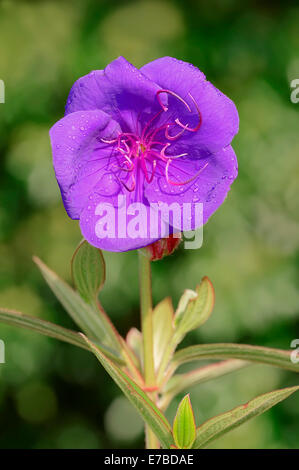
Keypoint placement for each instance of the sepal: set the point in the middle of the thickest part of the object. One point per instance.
(163, 247)
(88, 271)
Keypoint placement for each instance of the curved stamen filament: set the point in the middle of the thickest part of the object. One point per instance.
(176, 136)
(148, 178)
(171, 157)
(152, 134)
(175, 95)
(186, 126)
(181, 183)
(177, 120)
(130, 189)
(147, 125)
(141, 147)
(107, 141)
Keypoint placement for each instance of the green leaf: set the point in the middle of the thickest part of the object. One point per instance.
(194, 308)
(221, 424)
(162, 329)
(184, 428)
(144, 405)
(90, 319)
(88, 271)
(270, 356)
(11, 317)
(162, 333)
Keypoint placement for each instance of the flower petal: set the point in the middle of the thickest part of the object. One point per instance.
(120, 90)
(118, 223)
(79, 156)
(219, 115)
(216, 172)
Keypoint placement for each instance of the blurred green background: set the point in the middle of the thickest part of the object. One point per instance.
(53, 395)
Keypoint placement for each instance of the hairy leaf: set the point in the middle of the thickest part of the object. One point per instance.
(221, 424)
(259, 354)
(90, 319)
(11, 317)
(144, 405)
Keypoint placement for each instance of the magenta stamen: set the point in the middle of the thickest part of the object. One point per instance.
(126, 145)
(171, 156)
(185, 126)
(154, 170)
(144, 167)
(173, 137)
(165, 108)
(141, 147)
(149, 123)
(155, 142)
(181, 183)
(153, 134)
(127, 187)
(106, 141)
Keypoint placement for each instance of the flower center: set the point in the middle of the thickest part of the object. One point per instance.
(142, 148)
(147, 150)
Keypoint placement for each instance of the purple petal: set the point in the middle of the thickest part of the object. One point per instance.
(79, 156)
(120, 90)
(219, 116)
(216, 172)
(118, 223)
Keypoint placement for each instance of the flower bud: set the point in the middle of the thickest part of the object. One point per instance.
(163, 247)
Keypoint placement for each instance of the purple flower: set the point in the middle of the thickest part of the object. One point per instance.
(133, 140)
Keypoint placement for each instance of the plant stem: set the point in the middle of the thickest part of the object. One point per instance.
(145, 282)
